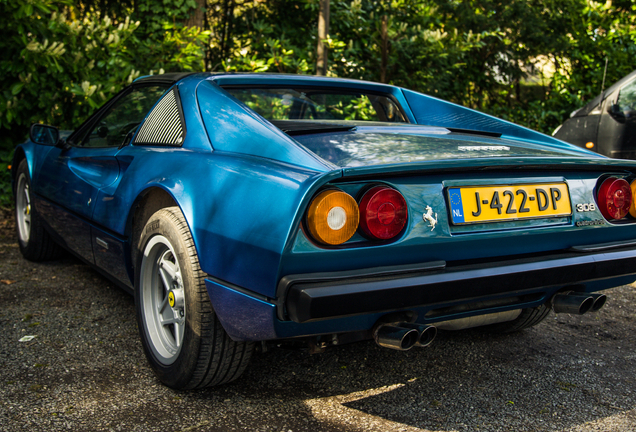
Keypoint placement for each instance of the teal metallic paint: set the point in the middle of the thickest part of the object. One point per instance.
(431, 111)
(234, 128)
(243, 187)
(365, 147)
(455, 243)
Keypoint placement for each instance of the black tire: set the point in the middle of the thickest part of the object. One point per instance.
(194, 351)
(35, 242)
(529, 317)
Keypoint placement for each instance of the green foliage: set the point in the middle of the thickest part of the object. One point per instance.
(528, 61)
(285, 103)
(59, 68)
(6, 195)
(263, 37)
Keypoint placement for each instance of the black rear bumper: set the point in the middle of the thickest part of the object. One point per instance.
(318, 296)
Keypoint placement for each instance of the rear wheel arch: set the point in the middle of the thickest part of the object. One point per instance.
(18, 157)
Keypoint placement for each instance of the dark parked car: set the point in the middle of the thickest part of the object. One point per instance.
(606, 125)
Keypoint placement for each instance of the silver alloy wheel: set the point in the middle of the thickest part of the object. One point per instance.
(23, 208)
(162, 299)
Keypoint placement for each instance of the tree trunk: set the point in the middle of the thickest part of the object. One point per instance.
(197, 15)
(322, 51)
(385, 48)
(226, 36)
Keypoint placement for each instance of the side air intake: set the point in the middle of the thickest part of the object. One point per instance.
(165, 124)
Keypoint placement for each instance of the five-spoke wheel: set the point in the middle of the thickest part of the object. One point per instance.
(23, 208)
(35, 242)
(162, 299)
(183, 339)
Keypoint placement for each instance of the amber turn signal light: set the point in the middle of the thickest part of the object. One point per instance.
(333, 217)
(632, 207)
(589, 145)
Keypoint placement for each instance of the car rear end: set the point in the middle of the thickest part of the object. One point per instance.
(438, 225)
(446, 240)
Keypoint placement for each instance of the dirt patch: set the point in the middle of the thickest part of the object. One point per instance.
(85, 370)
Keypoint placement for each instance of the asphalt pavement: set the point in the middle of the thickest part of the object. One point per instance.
(84, 370)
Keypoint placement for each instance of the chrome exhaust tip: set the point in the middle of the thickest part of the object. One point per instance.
(396, 337)
(426, 335)
(573, 303)
(599, 302)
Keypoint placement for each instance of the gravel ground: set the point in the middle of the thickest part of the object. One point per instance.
(85, 370)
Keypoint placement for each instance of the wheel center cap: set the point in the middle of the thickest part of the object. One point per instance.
(175, 298)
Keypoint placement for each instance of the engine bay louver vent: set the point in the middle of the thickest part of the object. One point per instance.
(165, 124)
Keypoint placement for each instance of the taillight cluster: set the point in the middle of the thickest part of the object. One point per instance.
(334, 216)
(614, 198)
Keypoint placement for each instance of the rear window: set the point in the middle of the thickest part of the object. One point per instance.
(319, 104)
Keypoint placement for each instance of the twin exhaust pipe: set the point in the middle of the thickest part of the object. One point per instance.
(404, 336)
(577, 303)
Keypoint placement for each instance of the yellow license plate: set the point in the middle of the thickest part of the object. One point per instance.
(476, 204)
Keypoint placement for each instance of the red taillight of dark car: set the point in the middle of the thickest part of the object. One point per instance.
(614, 198)
(383, 213)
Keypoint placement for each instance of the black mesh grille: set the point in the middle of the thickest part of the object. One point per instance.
(164, 125)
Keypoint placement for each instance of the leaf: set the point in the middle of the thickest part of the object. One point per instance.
(15, 88)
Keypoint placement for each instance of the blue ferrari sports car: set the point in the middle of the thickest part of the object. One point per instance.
(242, 209)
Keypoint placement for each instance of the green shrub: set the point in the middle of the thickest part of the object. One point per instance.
(6, 195)
(58, 65)
(58, 68)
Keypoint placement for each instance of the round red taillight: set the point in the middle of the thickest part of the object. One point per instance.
(614, 198)
(383, 213)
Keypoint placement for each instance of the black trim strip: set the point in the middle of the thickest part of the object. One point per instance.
(603, 246)
(475, 132)
(547, 165)
(315, 300)
(375, 272)
(170, 78)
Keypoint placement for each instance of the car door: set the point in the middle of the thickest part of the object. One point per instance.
(617, 129)
(72, 176)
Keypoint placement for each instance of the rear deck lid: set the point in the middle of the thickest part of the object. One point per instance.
(368, 145)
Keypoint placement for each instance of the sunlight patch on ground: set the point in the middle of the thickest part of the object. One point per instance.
(333, 410)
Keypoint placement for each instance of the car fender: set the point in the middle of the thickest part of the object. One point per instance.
(241, 210)
(34, 154)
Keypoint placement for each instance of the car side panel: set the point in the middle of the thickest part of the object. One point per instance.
(34, 155)
(111, 254)
(240, 210)
(68, 228)
(581, 130)
(73, 232)
(616, 135)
